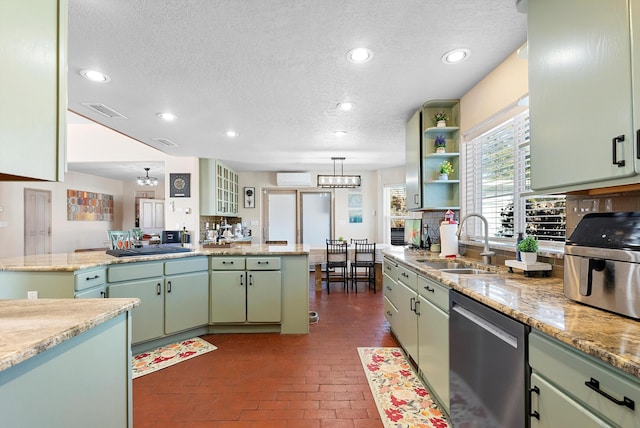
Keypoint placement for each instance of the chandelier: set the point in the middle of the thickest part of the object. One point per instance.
(339, 181)
(146, 180)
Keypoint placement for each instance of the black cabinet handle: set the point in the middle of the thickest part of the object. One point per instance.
(389, 288)
(103, 294)
(389, 313)
(595, 385)
(158, 289)
(168, 286)
(638, 143)
(412, 307)
(429, 289)
(416, 307)
(242, 280)
(89, 278)
(224, 262)
(250, 279)
(535, 414)
(614, 141)
(260, 263)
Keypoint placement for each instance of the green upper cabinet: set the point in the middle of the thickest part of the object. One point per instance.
(426, 190)
(33, 88)
(218, 188)
(581, 93)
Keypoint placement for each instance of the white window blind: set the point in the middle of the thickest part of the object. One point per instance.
(497, 185)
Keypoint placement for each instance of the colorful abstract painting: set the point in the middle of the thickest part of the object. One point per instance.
(89, 206)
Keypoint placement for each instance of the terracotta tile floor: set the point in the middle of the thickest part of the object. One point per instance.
(273, 380)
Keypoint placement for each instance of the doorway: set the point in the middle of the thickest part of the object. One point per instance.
(298, 216)
(37, 222)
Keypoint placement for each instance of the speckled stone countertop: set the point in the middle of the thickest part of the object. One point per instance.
(540, 303)
(29, 327)
(64, 262)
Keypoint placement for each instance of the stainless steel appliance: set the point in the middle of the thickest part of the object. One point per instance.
(602, 262)
(489, 373)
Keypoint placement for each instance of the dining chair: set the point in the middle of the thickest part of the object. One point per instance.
(337, 262)
(364, 260)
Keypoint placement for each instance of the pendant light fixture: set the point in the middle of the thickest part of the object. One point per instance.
(146, 180)
(339, 181)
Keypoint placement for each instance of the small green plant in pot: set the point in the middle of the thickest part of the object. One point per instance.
(440, 119)
(440, 143)
(528, 248)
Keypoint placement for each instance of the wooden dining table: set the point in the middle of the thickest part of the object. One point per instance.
(318, 256)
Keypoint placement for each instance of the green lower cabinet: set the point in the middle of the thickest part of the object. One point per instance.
(551, 408)
(264, 296)
(148, 318)
(186, 302)
(228, 297)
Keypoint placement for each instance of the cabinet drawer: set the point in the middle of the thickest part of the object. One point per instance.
(89, 278)
(390, 312)
(227, 263)
(389, 289)
(132, 271)
(390, 268)
(188, 265)
(569, 369)
(263, 263)
(98, 292)
(408, 277)
(434, 292)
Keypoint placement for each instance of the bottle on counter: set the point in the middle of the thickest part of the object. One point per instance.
(520, 238)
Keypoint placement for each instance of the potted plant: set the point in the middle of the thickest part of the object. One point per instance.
(440, 119)
(528, 248)
(440, 143)
(445, 169)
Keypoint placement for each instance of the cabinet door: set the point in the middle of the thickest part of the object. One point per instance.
(557, 410)
(228, 295)
(148, 318)
(33, 83)
(580, 92)
(158, 214)
(433, 350)
(186, 301)
(264, 296)
(413, 161)
(407, 331)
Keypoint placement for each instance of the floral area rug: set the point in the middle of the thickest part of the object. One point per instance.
(401, 397)
(168, 355)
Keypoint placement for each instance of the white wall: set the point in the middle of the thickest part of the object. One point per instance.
(66, 236)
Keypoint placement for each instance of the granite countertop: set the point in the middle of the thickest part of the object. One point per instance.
(540, 303)
(65, 262)
(29, 327)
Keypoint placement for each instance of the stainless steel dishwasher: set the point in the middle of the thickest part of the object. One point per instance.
(489, 373)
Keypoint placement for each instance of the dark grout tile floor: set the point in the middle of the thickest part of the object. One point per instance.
(273, 380)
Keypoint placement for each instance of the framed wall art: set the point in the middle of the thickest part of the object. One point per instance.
(249, 197)
(180, 185)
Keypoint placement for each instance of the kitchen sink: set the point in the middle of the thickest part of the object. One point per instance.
(467, 271)
(441, 264)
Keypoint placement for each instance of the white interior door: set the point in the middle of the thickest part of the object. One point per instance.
(282, 215)
(316, 218)
(37, 222)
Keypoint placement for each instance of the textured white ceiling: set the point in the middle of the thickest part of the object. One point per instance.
(274, 70)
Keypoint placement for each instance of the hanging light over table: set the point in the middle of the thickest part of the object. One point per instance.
(339, 181)
(146, 180)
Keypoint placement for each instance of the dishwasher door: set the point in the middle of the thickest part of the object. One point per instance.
(489, 373)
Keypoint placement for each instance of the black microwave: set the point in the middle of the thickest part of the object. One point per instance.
(174, 237)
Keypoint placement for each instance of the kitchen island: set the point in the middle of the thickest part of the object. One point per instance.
(179, 291)
(65, 363)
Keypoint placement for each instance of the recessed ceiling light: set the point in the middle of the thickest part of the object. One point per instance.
(340, 133)
(167, 116)
(346, 106)
(359, 55)
(95, 76)
(232, 133)
(456, 55)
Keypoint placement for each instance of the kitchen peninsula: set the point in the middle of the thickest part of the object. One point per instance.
(181, 293)
(66, 362)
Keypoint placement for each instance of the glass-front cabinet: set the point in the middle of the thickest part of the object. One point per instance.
(218, 188)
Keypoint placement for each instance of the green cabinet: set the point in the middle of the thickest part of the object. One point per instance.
(426, 189)
(581, 92)
(246, 290)
(33, 105)
(433, 337)
(571, 388)
(219, 192)
(84, 283)
(173, 295)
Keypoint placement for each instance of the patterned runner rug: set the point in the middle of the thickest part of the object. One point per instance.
(401, 397)
(168, 355)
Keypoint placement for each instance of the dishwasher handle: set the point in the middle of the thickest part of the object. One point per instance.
(509, 339)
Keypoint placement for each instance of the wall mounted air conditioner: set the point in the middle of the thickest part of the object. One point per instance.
(293, 179)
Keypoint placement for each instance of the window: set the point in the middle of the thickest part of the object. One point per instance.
(395, 213)
(497, 185)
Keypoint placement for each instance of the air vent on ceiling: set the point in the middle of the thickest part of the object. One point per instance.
(104, 110)
(165, 142)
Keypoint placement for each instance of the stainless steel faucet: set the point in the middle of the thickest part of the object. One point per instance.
(486, 253)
